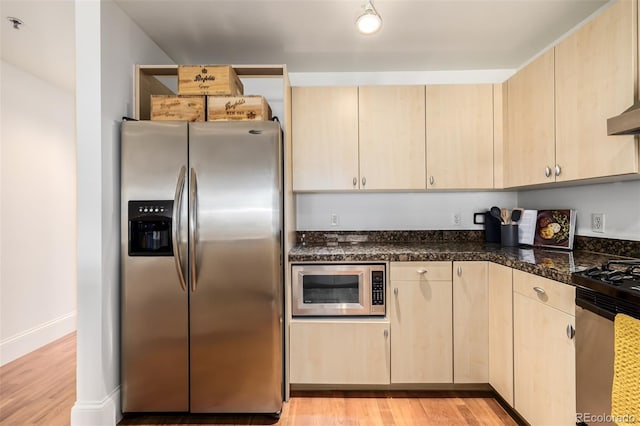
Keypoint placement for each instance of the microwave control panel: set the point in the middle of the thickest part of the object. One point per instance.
(377, 288)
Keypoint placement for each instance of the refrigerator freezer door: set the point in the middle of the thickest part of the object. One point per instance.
(154, 328)
(236, 299)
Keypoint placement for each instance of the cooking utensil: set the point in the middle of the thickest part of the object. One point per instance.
(495, 212)
(516, 214)
(505, 215)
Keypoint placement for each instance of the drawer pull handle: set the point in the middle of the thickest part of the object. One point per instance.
(386, 333)
(459, 271)
(539, 290)
(395, 291)
(421, 271)
(571, 332)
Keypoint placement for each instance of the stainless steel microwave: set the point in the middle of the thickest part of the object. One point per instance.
(338, 290)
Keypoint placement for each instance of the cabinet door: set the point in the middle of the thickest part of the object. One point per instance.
(325, 138)
(595, 75)
(421, 326)
(392, 143)
(339, 352)
(544, 363)
(530, 142)
(501, 330)
(470, 322)
(459, 122)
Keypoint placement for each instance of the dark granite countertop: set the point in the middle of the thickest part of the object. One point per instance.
(553, 264)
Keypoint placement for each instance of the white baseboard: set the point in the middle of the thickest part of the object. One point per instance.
(29, 340)
(97, 413)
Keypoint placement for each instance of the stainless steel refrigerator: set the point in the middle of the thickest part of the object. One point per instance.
(202, 279)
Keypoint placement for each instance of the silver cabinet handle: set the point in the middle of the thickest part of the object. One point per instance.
(459, 271)
(193, 227)
(386, 333)
(431, 180)
(355, 181)
(177, 224)
(395, 291)
(571, 332)
(539, 290)
(547, 171)
(364, 181)
(421, 271)
(558, 170)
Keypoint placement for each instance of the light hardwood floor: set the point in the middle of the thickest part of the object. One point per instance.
(39, 388)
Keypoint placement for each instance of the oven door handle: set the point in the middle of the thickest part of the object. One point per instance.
(595, 309)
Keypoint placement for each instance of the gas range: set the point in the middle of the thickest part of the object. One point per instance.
(615, 283)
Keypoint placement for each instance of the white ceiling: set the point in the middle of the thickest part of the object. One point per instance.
(308, 35)
(45, 44)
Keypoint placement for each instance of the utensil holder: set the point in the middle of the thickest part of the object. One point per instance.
(509, 235)
(491, 226)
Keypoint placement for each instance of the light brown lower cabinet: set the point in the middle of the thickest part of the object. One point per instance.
(501, 330)
(544, 351)
(339, 352)
(470, 322)
(420, 307)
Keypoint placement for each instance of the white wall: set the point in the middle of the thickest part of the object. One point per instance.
(620, 202)
(395, 211)
(108, 45)
(38, 213)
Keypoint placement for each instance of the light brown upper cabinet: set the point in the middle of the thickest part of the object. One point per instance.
(529, 151)
(557, 106)
(392, 142)
(459, 123)
(595, 71)
(325, 138)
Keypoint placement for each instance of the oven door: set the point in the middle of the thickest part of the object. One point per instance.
(331, 290)
(594, 363)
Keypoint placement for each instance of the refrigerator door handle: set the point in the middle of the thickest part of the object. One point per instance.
(193, 227)
(176, 225)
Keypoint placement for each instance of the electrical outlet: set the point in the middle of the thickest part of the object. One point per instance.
(334, 219)
(597, 222)
(457, 219)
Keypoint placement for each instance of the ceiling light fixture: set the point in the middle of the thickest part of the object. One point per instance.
(15, 22)
(369, 22)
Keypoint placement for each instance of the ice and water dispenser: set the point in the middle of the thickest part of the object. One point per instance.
(150, 228)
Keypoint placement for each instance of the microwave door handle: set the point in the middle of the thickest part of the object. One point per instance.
(176, 225)
(193, 227)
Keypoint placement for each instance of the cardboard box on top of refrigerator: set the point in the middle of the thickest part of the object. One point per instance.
(208, 80)
(177, 108)
(232, 108)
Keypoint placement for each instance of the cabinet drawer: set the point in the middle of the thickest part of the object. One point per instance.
(410, 271)
(555, 294)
